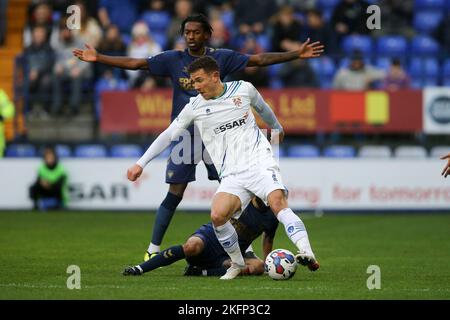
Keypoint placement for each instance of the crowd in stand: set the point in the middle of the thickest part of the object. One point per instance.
(356, 58)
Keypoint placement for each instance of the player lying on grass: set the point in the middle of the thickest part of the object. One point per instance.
(241, 154)
(204, 253)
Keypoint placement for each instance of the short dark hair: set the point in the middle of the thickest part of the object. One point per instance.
(206, 63)
(200, 18)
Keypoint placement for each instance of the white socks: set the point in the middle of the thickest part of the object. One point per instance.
(249, 249)
(228, 238)
(153, 248)
(295, 229)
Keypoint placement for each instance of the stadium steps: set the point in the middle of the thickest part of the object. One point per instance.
(80, 128)
(16, 17)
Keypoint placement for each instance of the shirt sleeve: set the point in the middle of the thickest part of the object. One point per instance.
(158, 65)
(263, 108)
(176, 128)
(234, 61)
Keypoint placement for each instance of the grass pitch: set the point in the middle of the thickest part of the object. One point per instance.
(412, 251)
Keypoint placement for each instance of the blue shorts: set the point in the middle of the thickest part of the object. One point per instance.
(181, 173)
(213, 254)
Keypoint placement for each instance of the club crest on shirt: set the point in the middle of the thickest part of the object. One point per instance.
(237, 102)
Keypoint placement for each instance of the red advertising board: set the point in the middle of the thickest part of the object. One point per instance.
(299, 111)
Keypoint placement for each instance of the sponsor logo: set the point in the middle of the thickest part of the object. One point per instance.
(440, 110)
(230, 125)
(237, 102)
(290, 229)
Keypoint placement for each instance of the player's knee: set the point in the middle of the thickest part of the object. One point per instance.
(177, 189)
(277, 201)
(192, 247)
(218, 218)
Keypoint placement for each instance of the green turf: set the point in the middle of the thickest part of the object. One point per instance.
(413, 252)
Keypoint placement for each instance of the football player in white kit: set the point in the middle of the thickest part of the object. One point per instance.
(241, 154)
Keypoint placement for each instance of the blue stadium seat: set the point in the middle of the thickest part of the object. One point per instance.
(357, 42)
(429, 4)
(425, 22)
(91, 151)
(392, 46)
(383, 63)
(157, 21)
(276, 83)
(161, 39)
(126, 151)
(63, 151)
(425, 46)
(20, 151)
(339, 151)
(304, 151)
(327, 4)
(264, 41)
(228, 19)
(426, 67)
(323, 66)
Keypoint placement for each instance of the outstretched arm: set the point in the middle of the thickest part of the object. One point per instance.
(446, 170)
(91, 55)
(306, 50)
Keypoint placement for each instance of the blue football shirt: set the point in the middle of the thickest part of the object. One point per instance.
(174, 64)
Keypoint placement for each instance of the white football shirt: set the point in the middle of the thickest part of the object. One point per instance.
(228, 128)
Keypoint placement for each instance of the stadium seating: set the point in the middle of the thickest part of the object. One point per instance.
(157, 21)
(63, 151)
(446, 73)
(327, 4)
(425, 22)
(429, 4)
(20, 151)
(126, 151)
(375, 152)
(439, 151)
(303, 151)
(424, 46)
(357, 42)
(410, 152)
(339, 151)
(91, 151)
(392, 46)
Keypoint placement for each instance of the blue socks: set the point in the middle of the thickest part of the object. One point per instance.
(164, 216)
(164, 258)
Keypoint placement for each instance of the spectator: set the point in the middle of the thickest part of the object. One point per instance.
(141, 46)
(396, 18)
(251, 16)
(349, 17)
(3, 8)
(51, 181)
(396, 77)
(358, 76)
(298, 73)
(112, 45)
(119, 12)
(317, 29)
(68, 69)
(39, 57)
(257, 76)
(286, 29)
(90, 31)
(183, 8)
(41, 16)
(220, 37)
(6, 113)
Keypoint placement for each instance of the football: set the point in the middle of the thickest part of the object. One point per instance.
(280, 264)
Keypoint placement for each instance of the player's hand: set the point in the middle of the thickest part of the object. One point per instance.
(88, 55)
(446, 170)
(311, 50)
(134, 172)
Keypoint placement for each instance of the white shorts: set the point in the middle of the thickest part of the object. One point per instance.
(258, 182)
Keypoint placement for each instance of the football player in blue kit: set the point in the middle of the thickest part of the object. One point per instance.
(206, 256)
(173, 63)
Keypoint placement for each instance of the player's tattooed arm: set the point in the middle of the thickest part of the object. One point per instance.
(305, 51)
(89, 54)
